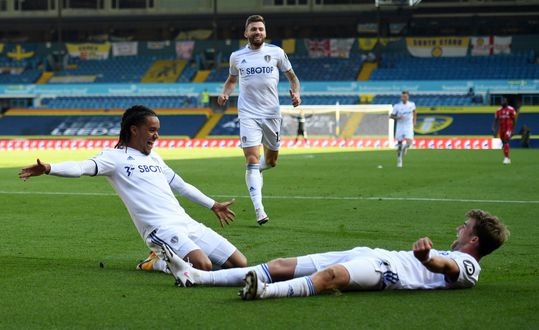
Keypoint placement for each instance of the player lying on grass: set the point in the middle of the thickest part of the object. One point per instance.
(362, 268)
(144, 183)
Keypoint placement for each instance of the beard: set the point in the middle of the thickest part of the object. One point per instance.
(256, 43)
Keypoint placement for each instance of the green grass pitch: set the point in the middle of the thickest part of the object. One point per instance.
(54, 238)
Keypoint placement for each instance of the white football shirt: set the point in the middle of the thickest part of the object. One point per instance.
(412, 274)
(258, 71)
(407, 113)
(142, 182)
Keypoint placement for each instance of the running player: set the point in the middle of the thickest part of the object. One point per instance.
(144, 183)
(257, 68)
(365, 269)
(405, 115)
(504, 123)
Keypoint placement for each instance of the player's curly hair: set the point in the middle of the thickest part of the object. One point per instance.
(491, 231)
(252, 19)
(135, 115)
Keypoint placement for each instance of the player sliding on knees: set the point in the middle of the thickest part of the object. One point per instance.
(144, 182)
(364, 268)
(257, 68)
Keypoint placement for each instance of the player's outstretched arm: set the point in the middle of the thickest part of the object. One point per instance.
(221, 210)
(36, 169)
(228, 88)
(436, 264)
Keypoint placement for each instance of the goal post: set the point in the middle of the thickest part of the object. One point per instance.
(360, 121)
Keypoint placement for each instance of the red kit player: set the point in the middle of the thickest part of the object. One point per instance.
(504, 123)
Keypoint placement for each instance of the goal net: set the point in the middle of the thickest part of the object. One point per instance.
(361, 121)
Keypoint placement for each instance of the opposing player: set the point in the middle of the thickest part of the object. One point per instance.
(503, 125)
(144, 183)
(301, 125)
(366, 269)
(404, 114)
(257, 68)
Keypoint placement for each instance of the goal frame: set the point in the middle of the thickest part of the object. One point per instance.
(337, 109)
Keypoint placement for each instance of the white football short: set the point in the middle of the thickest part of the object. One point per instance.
(364, 268)
(216, 247)
(266, 131)
(404, 132)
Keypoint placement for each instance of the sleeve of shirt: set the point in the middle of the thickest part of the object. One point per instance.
(104, 163)
(183, 188)
(468, 271)
(394, 111)
(284, 63)
(74, 169)
(233, 69)
(412, 105)
(190, 192)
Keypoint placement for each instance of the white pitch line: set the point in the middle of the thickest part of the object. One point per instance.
(349, 198)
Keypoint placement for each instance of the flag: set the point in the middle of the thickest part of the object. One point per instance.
(184, 49)
(438, 46)
(489, 45)
(329, 47)
(154, 45)
(125, 48)
(89, 51)
(19, 53)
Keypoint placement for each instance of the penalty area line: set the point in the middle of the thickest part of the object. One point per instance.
(337, 198)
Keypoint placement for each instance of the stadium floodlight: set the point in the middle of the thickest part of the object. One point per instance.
(363, 121)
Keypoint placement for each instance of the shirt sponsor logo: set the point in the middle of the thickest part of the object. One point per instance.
(149, 168)
(257, 70)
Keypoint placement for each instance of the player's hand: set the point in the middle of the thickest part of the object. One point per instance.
(296, 99)
(222, 99)
(422, 248)
(34, 170)
(223, 213)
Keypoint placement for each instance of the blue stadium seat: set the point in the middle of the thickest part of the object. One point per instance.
(406, 67)
(432, 100)
(120, 102)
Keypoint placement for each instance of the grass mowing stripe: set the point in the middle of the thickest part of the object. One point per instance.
(418, 199)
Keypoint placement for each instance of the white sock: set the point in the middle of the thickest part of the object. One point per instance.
(160, 265)
(297, 287)
(231, 276)
(263, 165)
(406, 146)
(253, 179)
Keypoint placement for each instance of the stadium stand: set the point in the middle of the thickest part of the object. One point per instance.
(406, 67)
(117, 69)
(326, 69)
(158, 102)
(19, 72)
(311, 69)
(432, 100)
(323, 99)
(188, 74)
(73, 123)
